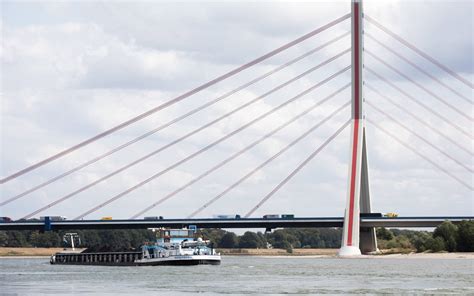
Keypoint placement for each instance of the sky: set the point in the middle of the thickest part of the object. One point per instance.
(70, 70)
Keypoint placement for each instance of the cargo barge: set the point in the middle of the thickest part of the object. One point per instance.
(173, 247)
(102, 258)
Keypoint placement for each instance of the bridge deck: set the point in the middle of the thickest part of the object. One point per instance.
(232, 223)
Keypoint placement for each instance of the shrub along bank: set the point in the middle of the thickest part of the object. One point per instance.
(446, 237)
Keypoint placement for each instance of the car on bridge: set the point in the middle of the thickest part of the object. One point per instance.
(391, 215)
(106, 218)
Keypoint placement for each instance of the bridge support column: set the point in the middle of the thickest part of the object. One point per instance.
(368, 239)
(358, 196)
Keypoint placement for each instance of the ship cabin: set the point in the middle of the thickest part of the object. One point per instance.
(174, 236)
(172, 242)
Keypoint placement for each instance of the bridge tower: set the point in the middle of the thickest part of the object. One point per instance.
(354, 239)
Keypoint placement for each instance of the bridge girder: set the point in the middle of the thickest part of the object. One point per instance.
(309, 222)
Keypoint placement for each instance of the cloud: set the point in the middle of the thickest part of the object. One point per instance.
(85, 67)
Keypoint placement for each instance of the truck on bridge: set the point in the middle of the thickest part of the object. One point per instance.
(237, 216)
(53, 218)
(153, 218)
(278, 216)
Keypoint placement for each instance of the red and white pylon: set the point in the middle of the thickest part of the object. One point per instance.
(358, 185)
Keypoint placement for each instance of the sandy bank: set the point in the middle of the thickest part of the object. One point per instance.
(278, 252)
(329, 253)
(28, 252)
(467, 255)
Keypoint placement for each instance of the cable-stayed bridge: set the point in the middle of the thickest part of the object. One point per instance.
(358, 187)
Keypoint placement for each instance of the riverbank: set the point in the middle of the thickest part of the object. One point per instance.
(28, 252)
(314, 253)
(331, 253)
(32, 252)
(455, 255)
(278, 252)
(20, 252)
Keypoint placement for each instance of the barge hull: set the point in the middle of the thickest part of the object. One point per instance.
(131, 259)
(175, 263)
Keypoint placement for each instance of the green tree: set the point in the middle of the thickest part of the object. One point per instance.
(419, 241)
(46, 239)
(309, 238)
(248, 240)
(400, 241)
(448, 232)
(331, 237)
(18, 238)
(262, 240)
(305, 238)
(117, 240)
(139, 236)
(229, 240)
(3, 239)
(214, 235)
(279, 239)
(384, 233)
(465, 238)
(435, 244)
(291, 238)
(91, 240)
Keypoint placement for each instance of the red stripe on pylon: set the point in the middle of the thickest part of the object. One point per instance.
(353, 181)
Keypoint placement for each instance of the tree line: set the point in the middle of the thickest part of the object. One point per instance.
(446, 237)
(281, 238)
(94, 240)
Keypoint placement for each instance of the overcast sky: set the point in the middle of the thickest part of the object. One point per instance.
(70, 70)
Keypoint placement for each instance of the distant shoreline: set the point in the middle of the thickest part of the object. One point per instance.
(278, 252)
(332, 253)
(7, 252)
(266, 253)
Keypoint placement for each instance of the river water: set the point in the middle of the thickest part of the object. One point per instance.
(243, 276)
